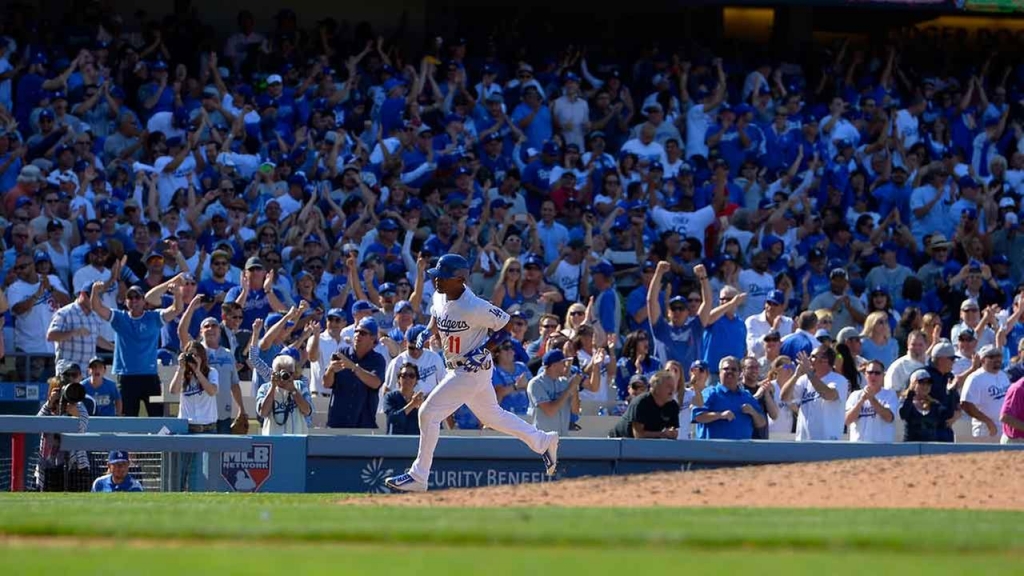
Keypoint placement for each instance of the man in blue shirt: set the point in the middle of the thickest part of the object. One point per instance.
(729, 411)
(678, 336)
(725, 333)
(354, 376)
(136, 339)
(606, 298)
(117, 478)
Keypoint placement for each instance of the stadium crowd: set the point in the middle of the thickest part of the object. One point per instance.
(750, 246)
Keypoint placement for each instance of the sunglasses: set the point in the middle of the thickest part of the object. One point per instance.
(773, 340)
(220, 263)
(92, 230)
(549, 326)
(514, 270)
(874, 372)
(134, 297)
(235, 317)
(407, 376)
(677, 308)
(577, 313)
(729, 369)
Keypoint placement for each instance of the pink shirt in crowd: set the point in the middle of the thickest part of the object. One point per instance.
(1013, 405)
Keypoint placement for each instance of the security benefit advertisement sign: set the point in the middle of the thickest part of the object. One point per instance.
(366, 475)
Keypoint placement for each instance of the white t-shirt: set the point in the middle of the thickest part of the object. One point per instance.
(908, 126)
(869, 426)
(169, 182)
(465, 323)
(30, 327)
(757, 286)
(819, 419)
(784, 424)
(686, 415)
(603, 391)
(697, 122)
(431, 368)
(686, 224)
(567, 277)
(197, 406)
(318, 366)
(646, 153)
(897, 377)
(163, 122)
(987, 392)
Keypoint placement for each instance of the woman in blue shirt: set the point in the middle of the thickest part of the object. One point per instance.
(510, 379)
(402, 406)
(636, 359)
(509, 289)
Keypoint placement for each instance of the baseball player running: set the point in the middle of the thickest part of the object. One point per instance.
(470, 329)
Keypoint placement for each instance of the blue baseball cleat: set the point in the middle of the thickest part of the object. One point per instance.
(550, 456)
(405, 483)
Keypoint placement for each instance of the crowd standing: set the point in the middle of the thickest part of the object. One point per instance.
(712, 247)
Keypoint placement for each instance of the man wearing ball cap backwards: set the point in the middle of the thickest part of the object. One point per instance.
(470, 329)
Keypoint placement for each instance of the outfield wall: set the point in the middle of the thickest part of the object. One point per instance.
(359, 463)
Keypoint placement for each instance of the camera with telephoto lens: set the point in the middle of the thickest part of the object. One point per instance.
(70, 393)
(286, 376)
(190, 358)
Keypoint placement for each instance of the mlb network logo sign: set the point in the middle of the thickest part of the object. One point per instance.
(247, 471)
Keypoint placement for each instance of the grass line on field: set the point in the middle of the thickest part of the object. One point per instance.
(318, 518)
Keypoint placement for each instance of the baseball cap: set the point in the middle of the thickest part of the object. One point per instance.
(403, 306)
(363, 306)
(699, 365)
(274, 79)
(95, 360)
(64, 365)
(387, 224)
(822, 334)
(943, 349)
(602, 268)
(254, 263)
(848, 333)
(969, 304)
(412, 335)
(678, 300)
(776, 297)
(921, 374)
(989, 350)
(553, 357)
(838, 273)
(967, 334)
(449, 266)
(368, 325)
(336, 313)
(387, 288)
(117, 456)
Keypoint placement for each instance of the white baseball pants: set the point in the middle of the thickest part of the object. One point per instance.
(474, 389)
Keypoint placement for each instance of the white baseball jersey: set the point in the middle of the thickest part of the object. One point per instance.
(465, 324)
(987, 392)
(818, 418)
(869, 426)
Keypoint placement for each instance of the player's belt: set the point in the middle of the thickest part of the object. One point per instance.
(465, 366)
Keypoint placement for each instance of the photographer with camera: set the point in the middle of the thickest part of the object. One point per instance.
(57, 470)
(197, 384)
(229, 393)
(283, 400)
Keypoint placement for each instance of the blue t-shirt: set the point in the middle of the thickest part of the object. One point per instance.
(718, 398)
(211, 287)
(257, 304)
(517, 402)
(135, 342)
(625, 369)
(679, 343)
(103, 398)
(726, 337)
(106, 484)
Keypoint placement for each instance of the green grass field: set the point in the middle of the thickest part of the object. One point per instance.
(248, 534)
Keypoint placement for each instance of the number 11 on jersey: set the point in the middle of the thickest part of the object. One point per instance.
(455, 344)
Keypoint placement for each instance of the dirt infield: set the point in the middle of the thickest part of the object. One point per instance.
(989, 481)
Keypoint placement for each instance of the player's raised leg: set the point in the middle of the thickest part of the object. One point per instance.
(484, 404)
(451, 393)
